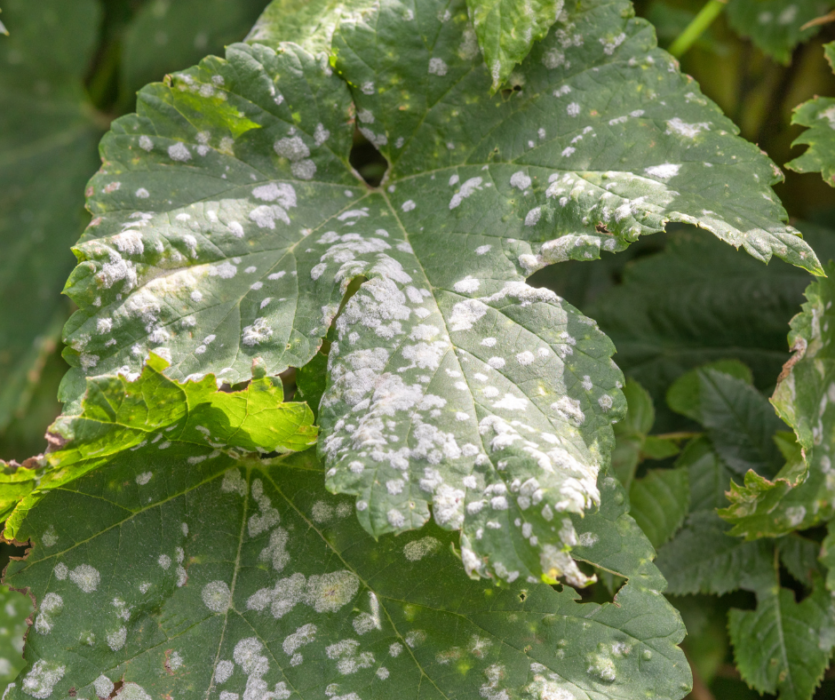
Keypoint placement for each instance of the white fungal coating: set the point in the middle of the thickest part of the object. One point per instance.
(42, 678)
(103, 686)
(418, 549)
(217, 596)
(85, 577)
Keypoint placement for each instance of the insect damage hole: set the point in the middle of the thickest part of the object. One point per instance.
(367, 160)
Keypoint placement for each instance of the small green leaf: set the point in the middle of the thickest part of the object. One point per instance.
(741, 423)
(685, 395)
(507, 29)
(709, 477)
(800, 556)
(776, 26)
(702, 558)
(659, 448)
(784, 646)
(659, 502)
(149, 413)
(14, 609)
(640, 414)
(754, 507)
(820, 137)
(827, 555)
(248, 579)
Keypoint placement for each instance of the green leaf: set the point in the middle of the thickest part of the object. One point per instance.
(776, 26)
(659, 502)
(702, 558)
(802, 399)
(507, 29)
(685, 396)
(800, 557)
(630, 433)
(740, 422)
(48, 138)
(14, 609)
(692, 304)
(709, 477)
(755, 506)
(252, 580)
(640, 415)
(784, 646)
(311, 381)
(308, 23)
(827, 556)
(452, 381)
(814, 114)
(149, 413)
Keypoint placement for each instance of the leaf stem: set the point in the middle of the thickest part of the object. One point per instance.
(682, 435)
(697, 27)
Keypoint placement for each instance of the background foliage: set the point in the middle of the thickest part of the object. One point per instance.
(700, 329)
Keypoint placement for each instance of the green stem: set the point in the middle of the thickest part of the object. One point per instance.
(697, 27)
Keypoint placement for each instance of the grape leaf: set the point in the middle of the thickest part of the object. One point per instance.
(702, 558)
(151, 413)
(784, 646)
(776, 26)
(507, 29)
(690, 305)
(817, 114)
(448, 369)
(249, 580)
(740, 422)
(48, 138)
(14, 609)
(659, 503)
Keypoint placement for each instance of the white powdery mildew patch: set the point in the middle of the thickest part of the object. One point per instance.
(217, 596)
(85, 577)
(417, 550)
(247, 655)
(467, 189)
(325, 593)
(51, 606)
(116, 640)
(42, 679)
(103, 686)
(348, 658)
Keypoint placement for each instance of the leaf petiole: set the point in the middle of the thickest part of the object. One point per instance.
(697, 27)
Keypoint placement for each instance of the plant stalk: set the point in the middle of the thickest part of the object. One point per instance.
(697, 27)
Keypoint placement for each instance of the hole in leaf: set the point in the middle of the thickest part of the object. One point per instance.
(367, 160)
(523, 596)
(116, 688)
